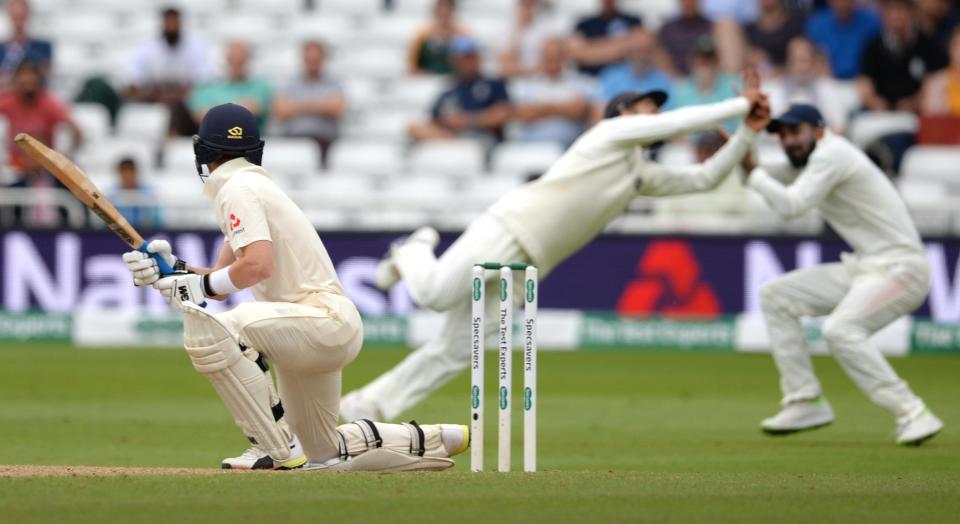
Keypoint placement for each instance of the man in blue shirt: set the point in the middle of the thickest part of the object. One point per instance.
(475, 107)
(601, 40)
(22, 47)
(638, 73)
(843, 31)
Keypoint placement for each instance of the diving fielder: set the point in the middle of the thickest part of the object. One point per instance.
(544, 222)
(301, 322)
(886, 276)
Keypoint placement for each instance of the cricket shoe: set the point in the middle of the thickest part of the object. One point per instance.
(354, 406)
(917, 429)
(455, 438)
(799, 416)
(387, 274)
(256, 458)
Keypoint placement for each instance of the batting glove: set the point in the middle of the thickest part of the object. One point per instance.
(182, 287)
(144, 266)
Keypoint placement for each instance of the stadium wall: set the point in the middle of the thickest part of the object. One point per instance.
(692, 292)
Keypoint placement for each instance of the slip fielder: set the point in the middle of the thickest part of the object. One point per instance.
(301, 322)
(544, 222)
(886, 276)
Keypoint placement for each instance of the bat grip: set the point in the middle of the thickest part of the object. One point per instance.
(162, 265)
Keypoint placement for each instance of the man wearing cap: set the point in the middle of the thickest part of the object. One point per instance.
(475, 106)
(544, 222)
(301, 321)
(884, 278)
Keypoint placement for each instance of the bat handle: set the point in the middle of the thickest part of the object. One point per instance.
(162, 265)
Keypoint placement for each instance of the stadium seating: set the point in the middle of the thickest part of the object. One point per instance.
(367, 157)
(92, 119)
(147, 122)
(867, 127)
(932, 163)
(524, 158)
(455, 158)
(103, 156)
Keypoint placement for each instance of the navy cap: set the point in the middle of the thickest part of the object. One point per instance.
(628, 98)
(797, 114)
(463, 45)
(227, 129)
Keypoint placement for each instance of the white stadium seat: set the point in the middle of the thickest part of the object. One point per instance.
(346, 189)
(93, 119)
(487, 189)
(368, 157)
(525, 158)
(372, 63)
(351, 7)
(417, 189)
(932, 163)
(150, 122)
(414, 93)
(178, 155)
(333, 30)
(393, 30)
(79, 26)
(103, 156)
(280, 7)
(867, 127)
(246, 27)
(291, 156)
(457, 158)
(390, 125)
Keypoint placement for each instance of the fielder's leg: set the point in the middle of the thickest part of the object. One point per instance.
(785, 300)
(241, 385)
(877, 298)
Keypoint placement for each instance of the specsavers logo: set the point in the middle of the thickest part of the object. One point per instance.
(235, 133)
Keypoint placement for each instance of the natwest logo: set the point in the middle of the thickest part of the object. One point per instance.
(668, 282)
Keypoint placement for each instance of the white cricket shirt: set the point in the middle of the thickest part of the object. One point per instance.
(850, 192)
(250, 207)
(595, 180)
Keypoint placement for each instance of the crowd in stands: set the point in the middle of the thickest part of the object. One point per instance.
(546, 79)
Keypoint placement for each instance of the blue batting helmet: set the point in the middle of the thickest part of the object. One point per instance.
(227, 130)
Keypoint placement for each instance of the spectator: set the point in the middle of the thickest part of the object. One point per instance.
(678, 36)
(937, 20)
(164, 69)
(895, 62)
(474, 107)
(638, 73)
(805, 82)
(429, 50)
(769, 36)
(130, 195)
(22, 47)
(30, 108)
(707, 83)
(238, 87)
(553, 105)
(941, 90)
(603, 39)
(740, 11)
(843, 31)
(313, 105)
(533, 26)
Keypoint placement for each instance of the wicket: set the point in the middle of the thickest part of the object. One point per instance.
(505, 372)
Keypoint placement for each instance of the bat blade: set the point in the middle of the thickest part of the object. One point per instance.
(80, 185)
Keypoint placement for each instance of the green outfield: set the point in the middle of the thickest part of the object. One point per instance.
(652, 437)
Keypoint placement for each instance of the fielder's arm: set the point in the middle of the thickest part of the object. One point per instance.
(633, 130)
(806, 192)
(660, 180)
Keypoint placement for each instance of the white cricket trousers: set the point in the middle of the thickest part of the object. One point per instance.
(443, 285)
(860, 296)
(308, 346)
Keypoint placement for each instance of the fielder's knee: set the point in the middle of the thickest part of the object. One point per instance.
(772, 299)
(839, 333)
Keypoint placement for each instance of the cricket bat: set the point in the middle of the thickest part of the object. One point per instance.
(87, 193)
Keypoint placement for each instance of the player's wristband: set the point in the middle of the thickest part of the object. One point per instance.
(219, 283)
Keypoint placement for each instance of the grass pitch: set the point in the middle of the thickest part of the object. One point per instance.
(624, 437)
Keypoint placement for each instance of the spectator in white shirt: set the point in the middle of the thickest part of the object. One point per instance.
(533, 25)
(164, 69)
(553, 105)
(805, 82)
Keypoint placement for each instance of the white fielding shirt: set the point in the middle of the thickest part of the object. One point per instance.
(595, 180)
(851, 193)
(250, 207)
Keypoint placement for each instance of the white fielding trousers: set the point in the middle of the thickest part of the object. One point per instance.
(860, 297)
(443, 284)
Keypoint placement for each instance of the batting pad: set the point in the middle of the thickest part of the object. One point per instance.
(241, 384)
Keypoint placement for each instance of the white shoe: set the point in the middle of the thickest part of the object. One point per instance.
(387, 274)
(256, 458)
(919, 428)
(455, 438)
(799, 416)
(353, 406)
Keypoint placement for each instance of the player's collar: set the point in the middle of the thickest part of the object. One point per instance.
(220, 175)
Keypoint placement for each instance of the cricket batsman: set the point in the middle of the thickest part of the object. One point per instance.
(886, 276)
(544, 222)
(301, 322)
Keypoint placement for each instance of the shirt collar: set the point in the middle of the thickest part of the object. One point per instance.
(221, 174)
